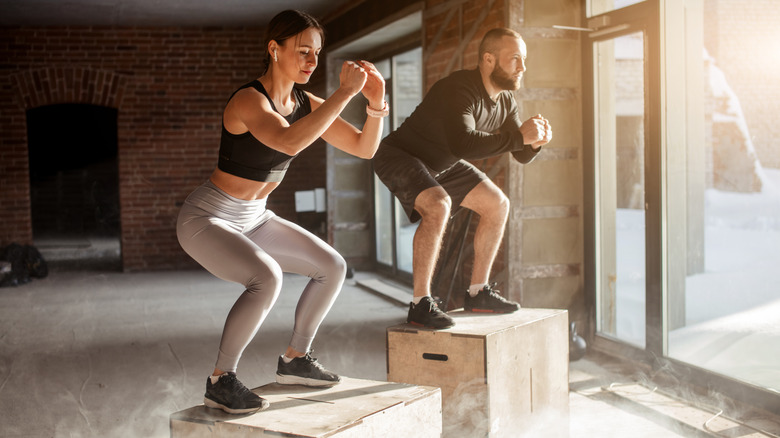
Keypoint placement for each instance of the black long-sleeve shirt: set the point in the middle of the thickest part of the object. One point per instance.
(457, 119)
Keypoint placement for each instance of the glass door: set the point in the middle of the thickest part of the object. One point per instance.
(620, 186)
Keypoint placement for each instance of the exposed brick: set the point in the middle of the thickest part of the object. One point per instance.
(169, 90)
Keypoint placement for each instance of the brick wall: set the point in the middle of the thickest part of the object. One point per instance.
(453, 31)
(169, 86)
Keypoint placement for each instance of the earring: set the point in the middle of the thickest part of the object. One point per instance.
(275, 58)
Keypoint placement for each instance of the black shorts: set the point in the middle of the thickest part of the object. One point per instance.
(406, 177)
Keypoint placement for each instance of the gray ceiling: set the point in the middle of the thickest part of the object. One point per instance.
(155, 12)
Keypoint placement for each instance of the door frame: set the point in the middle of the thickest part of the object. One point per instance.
(632, 19)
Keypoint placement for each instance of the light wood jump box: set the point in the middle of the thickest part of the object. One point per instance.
(500, 375)
(354, 408)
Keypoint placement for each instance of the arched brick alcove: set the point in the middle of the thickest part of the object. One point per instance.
(69, 85)
(29, 89)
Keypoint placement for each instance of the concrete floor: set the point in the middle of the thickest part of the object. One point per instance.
(107, 354)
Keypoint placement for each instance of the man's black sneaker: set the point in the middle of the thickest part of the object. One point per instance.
(427, 314)
(305, 370)
(488, 300)
(232, 396)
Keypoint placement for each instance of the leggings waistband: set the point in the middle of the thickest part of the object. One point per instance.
(215, 201)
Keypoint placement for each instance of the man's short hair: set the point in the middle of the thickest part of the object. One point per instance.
(492, 40)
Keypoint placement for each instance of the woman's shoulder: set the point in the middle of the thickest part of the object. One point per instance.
(250, 91)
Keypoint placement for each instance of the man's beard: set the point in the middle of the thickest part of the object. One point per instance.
(504, 80)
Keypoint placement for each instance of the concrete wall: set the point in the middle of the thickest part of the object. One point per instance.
(546, 231)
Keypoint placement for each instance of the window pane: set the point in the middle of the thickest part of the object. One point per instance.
(383, 199)
(407, 93)
(620, 153)
(731, 297)
(403, 77)
(602, 6)
(383, 223)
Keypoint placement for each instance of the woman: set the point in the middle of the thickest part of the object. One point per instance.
(225, 226)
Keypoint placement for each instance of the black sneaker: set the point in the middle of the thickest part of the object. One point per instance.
(232, 396)
(305, 370)
(488, 300)
(428, 314)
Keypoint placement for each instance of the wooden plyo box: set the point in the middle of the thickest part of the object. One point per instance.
(354, 408)
(500, 375)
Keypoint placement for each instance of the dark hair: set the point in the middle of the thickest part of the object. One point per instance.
(287, 24)
(492, 39)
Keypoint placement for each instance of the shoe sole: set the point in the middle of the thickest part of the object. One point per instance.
(305, 381)
(492, 311)
(431, 326)
(214, 405)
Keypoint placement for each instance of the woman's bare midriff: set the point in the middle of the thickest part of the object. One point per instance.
(242, 188)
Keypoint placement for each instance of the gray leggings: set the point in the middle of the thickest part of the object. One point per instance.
(243, 242)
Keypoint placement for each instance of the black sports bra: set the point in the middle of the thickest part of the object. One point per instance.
(244, 156)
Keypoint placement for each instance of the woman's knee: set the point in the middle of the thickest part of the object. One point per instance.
(332, 266)
(265, 277)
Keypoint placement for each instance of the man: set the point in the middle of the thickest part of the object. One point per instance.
(470, 114)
